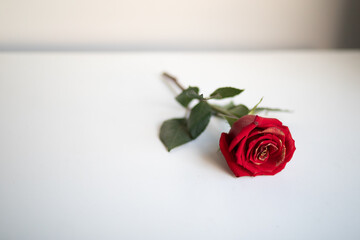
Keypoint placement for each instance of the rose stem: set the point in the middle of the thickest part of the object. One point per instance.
(174, 80)
(217, 109)
(222, 111)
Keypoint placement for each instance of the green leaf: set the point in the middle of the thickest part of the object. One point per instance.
(229, 106)
(199, 118)
(225, 92)
(252, 111)
(231, 120)
(271, 109)
(239, 110)
(174, 132)
(186, 96)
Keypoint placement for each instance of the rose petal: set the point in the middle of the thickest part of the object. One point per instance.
(257, 146)
(256, 143)
(289, 143)
(238, 126)
(245, 131)
(274, 130)
(238, 170)
(275, 171)
(271, 130)
(255, 151)
(282, 156)
(240, 152)
(249, 165)
(268, 166)
(263, 139)
(268, 122)
(263, 156)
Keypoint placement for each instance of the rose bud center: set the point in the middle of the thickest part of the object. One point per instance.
(263, 152)
(263, 155)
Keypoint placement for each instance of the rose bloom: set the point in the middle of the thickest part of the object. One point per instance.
(257, 146)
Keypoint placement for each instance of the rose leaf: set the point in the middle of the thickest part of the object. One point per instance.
(186, 96)
(239, 110)
(266, 109)
(231, 120)
(174, 133)
(199, 118)
(225, 92)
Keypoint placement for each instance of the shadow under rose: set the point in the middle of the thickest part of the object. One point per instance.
(208, 147)
(216, 159)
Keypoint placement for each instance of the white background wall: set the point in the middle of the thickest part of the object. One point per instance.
(169, 24)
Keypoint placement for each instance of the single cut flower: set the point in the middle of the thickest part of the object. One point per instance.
(254, 146)
(257, 146)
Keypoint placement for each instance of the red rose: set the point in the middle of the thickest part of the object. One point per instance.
(257, 146)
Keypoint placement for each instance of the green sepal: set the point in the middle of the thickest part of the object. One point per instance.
(252, 111)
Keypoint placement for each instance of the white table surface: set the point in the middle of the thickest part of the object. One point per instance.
(80, 156)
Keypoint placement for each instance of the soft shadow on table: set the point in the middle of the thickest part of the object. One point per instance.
(210, 151)
(216, 159)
